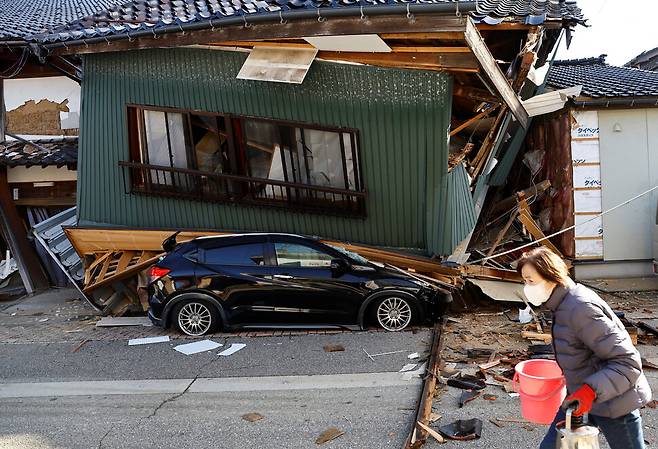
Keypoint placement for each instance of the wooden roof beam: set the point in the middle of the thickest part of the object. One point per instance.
(458, 62)
(493, 73)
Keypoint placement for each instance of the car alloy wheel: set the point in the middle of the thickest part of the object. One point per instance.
(394, 314)
(194, 318)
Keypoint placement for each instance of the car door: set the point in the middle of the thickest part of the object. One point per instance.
(238, 273)
(307, 290)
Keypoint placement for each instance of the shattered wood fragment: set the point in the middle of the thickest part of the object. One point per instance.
(80, 345)
(489, 397)
(433, 433)
(547, 338)
(252, 417)
(330, 434)
(333, 348)
(488, 365)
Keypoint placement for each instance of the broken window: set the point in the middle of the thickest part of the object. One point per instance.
(301, 256)
(219, 157)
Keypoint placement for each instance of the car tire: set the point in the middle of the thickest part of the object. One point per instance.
(394, 313)
(196, 317)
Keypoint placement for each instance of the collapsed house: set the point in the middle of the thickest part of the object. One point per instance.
(376, 124)
(595, 151)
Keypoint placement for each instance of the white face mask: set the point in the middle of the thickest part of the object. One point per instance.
(537, 294)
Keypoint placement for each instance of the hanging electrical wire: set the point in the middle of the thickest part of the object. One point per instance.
(17, 66)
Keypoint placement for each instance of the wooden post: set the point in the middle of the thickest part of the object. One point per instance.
(13, 230)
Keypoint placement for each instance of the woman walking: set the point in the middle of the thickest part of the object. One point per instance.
(603, 369)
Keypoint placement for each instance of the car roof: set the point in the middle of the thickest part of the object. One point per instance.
(252, 234)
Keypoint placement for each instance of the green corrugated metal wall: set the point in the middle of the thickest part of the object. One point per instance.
(403, 117)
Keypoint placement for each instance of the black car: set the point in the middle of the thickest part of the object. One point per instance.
(282, 280)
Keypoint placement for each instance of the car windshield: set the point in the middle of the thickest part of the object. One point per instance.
(353, 256)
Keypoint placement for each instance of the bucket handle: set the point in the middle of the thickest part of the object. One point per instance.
(517, 389)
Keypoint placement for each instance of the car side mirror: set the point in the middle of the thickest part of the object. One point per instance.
(339, 266)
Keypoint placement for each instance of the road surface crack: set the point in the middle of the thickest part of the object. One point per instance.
(100, 443)
(178, 395)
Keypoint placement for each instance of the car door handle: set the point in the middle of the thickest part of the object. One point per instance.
(282, 276)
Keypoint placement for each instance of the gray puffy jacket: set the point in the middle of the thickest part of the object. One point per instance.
(592, 347)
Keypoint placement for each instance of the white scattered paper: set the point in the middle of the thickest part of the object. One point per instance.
(407, 367)
(147, 340)
(514, 395)
(235, 347)
(525, 315)
(197, 346)
(408, 375)
(43, 320)
(413, 356)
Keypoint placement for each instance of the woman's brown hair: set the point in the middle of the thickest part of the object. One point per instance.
(549, 265)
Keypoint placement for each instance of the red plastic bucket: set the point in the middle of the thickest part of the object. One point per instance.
(542, 389)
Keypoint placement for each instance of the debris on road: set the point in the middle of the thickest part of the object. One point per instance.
(235, 347)
(80, 345)
(463, 429)
(413, 356)
(468, 396)
(418, 372)
(330, 434)
(433, 433)
(110, 321)
(466, 382)
(333, 348)
(408, 367)
(252, 417)
(197, 347)
(147, 340)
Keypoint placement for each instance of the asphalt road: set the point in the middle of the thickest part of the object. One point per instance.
(106, 394)
(371, 417)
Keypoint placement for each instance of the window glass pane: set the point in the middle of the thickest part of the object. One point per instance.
(210, 144)
(295, 255)
(165, 143)
(156, 138)
(262, 141)
(321, 158)
(251, 254)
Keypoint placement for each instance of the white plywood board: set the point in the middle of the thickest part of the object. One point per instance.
(585, 125)
(277, 64)
(587, 201)
(587, 176)
(585, 152)
(588, 226)
(369, 43)
(589, 249)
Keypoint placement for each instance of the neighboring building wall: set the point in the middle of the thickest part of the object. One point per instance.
(629, 166)
(42, 106)
(403, 118)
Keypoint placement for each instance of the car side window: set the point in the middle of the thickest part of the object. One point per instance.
(296, 255)
(248, 254)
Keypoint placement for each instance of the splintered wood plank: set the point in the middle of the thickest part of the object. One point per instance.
(493, 73)
(124, 260)
(118, 276)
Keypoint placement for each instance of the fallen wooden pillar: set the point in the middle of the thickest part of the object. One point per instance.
(418, 435)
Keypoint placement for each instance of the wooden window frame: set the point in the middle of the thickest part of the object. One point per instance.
(140, 177)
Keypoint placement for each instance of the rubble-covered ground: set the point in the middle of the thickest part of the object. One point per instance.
(489, 326)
